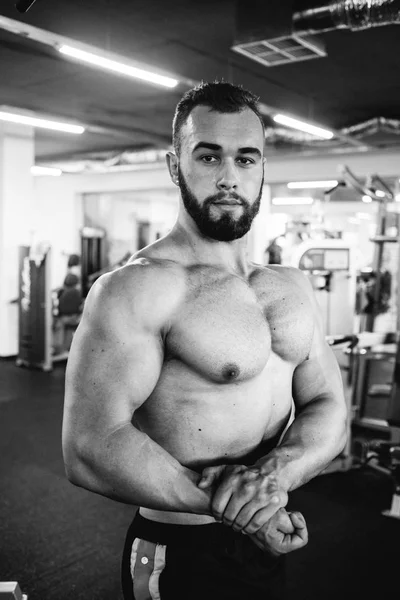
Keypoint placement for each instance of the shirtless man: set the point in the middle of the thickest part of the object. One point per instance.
(199, 384)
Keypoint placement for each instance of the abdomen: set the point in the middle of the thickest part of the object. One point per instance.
(202, 423)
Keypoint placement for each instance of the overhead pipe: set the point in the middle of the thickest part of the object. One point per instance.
(355, 15)
(373, 126)
(23, 6)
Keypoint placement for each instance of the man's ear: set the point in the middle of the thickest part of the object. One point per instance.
(172, 163)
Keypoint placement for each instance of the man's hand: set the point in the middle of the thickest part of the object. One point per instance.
(284, 532)
(244, 498)
(278, 534)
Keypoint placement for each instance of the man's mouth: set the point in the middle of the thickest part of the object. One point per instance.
(228, 202)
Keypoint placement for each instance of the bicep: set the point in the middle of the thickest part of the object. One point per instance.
(113, 367)
(319, 375)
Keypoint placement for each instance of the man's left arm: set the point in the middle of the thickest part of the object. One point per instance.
(318, 432)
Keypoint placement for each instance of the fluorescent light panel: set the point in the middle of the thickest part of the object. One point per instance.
(52, 171)
(366, 198)
(43, 123)
(302, 126)
(287, 201)
(303, 185)
(117, 67)
(380, 194)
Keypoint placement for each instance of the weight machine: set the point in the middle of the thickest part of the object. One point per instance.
(376, 358)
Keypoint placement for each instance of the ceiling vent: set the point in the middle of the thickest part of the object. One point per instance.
(275, 33)
(282, 50)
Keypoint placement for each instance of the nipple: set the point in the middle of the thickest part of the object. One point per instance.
(231, 372)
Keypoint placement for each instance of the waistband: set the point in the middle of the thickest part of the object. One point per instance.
(168, 533)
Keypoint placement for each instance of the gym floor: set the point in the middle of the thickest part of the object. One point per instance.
(61, 542)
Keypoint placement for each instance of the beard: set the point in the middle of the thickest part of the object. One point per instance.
(226, 228)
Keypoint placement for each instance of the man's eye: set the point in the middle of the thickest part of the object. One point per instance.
(208, 158)
(245, 161)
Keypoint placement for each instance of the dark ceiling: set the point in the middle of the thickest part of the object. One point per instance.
(358, 80)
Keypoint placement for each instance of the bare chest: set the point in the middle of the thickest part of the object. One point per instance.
(227, 328)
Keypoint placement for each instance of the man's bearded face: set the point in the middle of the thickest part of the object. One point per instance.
(215, 222)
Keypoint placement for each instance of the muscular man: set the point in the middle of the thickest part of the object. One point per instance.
(199, 385)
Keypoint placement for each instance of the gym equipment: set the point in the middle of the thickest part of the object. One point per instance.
(373, 380)
(376, 389)
(92, 253)
(329, 264)
(10, 590)
(344, 461)
(39, 326)
(395, 469)
(34, 342)
(380, 192)
(385, 455)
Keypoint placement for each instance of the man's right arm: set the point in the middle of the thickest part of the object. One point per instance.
(114, 364)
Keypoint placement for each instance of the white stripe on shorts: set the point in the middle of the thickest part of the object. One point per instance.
(159, 564)
(145, 581)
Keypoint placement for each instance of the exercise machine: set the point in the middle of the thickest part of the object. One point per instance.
(376, 373)
(330, 266)
(35, 310)
(92, 254)
(46, 320)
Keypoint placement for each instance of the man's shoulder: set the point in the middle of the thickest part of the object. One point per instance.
(286, 274)
(142, 273)
(146, 288)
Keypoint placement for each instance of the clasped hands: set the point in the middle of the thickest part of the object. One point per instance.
(251, 500)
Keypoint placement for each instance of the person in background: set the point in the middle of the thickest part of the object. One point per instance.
(69, 309)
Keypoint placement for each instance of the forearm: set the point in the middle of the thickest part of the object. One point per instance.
(315, 438)
(130, 467)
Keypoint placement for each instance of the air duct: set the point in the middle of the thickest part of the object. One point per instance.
(347, 14)
(275, 32)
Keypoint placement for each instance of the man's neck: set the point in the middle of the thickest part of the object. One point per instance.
(229, 256)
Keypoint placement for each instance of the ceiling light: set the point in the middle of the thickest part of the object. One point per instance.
(301, 185)
(52, 171)
(23, 119)
(287, 201)
(380, 194)
(302, 126)
(366, 198)
(117, 67)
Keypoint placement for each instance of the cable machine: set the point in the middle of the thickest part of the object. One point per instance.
(376, 374)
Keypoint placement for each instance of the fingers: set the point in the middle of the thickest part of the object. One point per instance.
(228, 487)
(262, 516)
(298, 520)
(243, 492)
(282, 522)
(209, 476)
(301, 531)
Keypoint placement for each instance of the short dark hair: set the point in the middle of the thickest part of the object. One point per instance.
(221, 96)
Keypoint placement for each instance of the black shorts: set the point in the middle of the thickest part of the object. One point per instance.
(192, 562)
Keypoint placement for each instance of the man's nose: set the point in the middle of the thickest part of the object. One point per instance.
(227, 177)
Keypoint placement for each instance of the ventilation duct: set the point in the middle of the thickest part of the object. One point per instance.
(373, 126)
(275, 32)
(348, 14)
